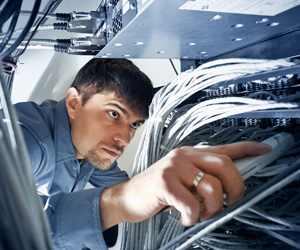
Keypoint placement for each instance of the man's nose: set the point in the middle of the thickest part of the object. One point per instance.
(123, 135)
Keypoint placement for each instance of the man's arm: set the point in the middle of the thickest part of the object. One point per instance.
(169, 183)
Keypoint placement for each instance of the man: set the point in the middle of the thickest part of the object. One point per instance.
(80, 138)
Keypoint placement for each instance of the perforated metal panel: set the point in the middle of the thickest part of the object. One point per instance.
(164, 29)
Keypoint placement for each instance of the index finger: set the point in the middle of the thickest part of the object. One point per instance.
(238, 150)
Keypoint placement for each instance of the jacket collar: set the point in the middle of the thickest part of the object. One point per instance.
(62, 134)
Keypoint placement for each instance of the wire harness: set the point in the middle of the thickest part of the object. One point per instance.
(25, 31)
(23, 224)
(175, 121)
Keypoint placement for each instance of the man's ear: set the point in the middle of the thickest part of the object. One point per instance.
(72, 102)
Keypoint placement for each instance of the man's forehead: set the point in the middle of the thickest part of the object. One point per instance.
(108, 98)
(113, 99)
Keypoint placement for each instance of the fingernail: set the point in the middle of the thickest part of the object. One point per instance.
(265, 147)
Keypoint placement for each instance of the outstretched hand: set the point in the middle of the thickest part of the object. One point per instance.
(169, 183)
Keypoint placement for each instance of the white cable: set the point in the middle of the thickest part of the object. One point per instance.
(18, 31)
(157, 140)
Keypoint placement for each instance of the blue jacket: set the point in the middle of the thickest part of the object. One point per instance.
(73, 212)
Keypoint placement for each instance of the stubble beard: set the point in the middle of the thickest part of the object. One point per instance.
(92, 157)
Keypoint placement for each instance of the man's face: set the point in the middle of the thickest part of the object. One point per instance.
(102, 128)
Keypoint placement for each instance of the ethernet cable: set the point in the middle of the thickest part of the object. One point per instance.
(18, 31)
(286, 177)
(163, 133)
(23, 222)
(28, 25)
(189, 82)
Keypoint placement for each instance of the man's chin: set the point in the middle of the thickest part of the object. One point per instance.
(99, 160)
(101, 165)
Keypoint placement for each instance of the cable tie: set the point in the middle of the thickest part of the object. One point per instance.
(158, 119)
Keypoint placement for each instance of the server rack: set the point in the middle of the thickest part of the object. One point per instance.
(201, 30)
(197, 32)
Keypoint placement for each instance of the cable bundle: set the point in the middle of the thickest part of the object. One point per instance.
(23, 225)
(12, 8)
(172, 124)
(274, 223)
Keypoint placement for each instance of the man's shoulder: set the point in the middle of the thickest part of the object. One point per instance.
(32, 108)
(38, 119)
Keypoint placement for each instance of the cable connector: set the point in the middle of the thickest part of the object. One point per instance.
(82, 22)
(83, 45)
(63, 17)
(60, 26)
(62, 45)
(88, 42)
(85, 16)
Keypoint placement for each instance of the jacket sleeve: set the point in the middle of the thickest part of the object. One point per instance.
(75, 219)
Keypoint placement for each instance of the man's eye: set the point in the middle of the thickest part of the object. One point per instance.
(135, 125)
(113, 114)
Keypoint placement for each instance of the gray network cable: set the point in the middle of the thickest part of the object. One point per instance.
(23, 222)
(171, 125)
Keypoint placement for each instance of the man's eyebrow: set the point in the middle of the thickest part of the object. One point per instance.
(140, 121)
(124, 111)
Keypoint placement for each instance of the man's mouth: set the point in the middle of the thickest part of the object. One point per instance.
(112, 152)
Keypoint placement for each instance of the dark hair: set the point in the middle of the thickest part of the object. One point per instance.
(120, 76)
